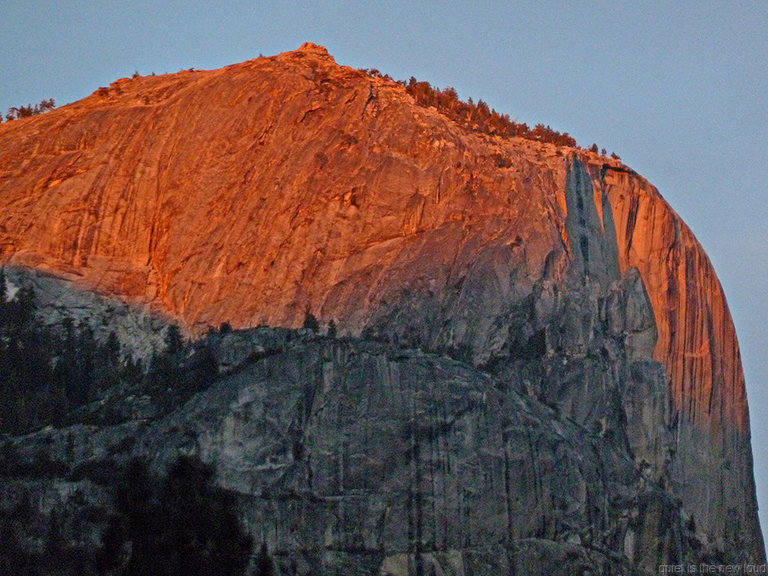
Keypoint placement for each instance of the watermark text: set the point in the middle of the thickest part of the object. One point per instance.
(705, 568)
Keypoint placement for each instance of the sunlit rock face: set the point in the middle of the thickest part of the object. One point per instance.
(256, 193)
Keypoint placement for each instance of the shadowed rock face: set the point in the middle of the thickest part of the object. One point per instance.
(254, 193)
(363, 458)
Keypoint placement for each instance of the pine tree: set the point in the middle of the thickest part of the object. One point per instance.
(174, 343)
(180, 525)
(54, 540)
(3, 288)
(264, 564)
(310, 322)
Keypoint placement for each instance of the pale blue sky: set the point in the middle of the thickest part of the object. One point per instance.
(677, 89)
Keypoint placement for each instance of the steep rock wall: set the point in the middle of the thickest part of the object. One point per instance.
(258, 192)
(361, 458)
(696, 343)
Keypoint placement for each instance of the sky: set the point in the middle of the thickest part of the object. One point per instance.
(677, 89)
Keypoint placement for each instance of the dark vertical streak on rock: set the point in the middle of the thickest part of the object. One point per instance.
(507, 484)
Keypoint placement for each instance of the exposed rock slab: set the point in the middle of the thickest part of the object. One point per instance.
(366, 459)
(260, 191)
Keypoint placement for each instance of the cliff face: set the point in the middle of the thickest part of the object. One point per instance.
(361, 458)
(696, 343)
(258, 192)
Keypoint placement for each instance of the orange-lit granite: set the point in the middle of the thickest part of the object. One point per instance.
(255, 193)
(696, 338)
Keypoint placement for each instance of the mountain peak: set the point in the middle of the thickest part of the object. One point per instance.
(263, 192)
(314, 49)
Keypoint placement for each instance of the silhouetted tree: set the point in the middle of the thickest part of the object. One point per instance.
(46, 373)
(54, 542)
(310, 322)
(108, 371)
(480, 117)
(3, 289)
(179, 525)
(14, 558)
(14, 113)
(264, 564)
(174, 343)
(165, 373)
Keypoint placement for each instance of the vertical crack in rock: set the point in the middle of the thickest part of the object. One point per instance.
(696, 343)
(589, 226)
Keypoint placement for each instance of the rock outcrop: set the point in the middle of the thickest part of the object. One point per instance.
(263, 191)
(363, 458)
